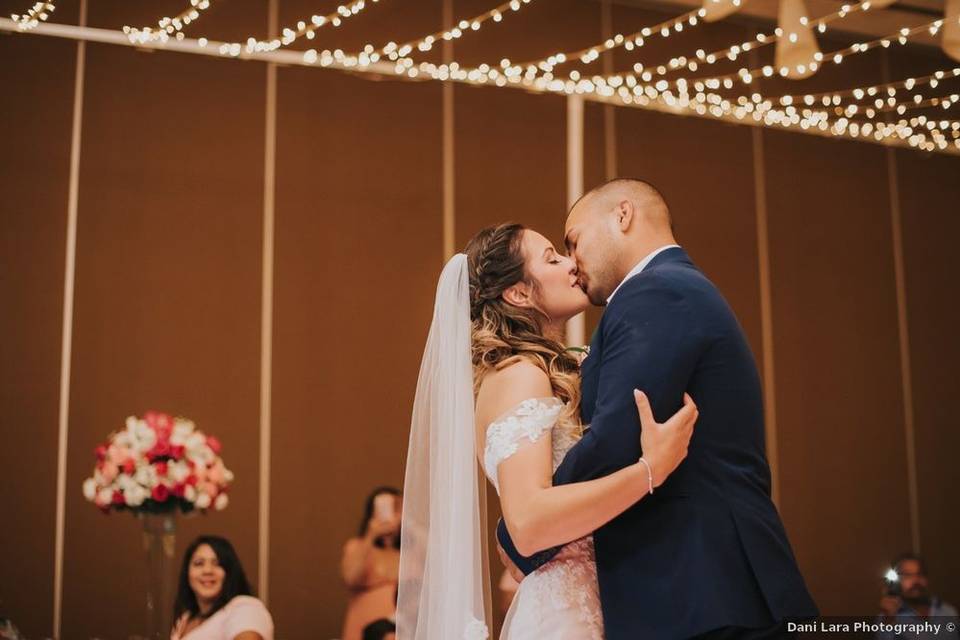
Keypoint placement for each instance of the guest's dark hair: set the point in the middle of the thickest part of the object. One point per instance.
(378, 629)
(234, 579)
(903, 557)
(368, 513)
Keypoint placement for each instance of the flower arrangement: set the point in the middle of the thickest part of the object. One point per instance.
(156, 465)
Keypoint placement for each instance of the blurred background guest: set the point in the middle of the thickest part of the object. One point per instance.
(214, 599)
(381, 629)
(907, 599)
(371, 563)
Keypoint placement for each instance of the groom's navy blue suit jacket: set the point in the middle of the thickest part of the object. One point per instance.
(707, 550)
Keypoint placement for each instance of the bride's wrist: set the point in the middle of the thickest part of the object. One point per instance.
(648, 479)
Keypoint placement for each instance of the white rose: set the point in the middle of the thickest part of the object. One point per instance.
(90, 489)
(124, 481)
(145, 435)
(104, 496)
(190, 493)
(145, 475)
(178, 471)
(135, 496)
(221, 502)
(202, 501)
(183, 428)
(227, 476)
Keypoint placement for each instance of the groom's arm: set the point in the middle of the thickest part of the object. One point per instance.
(649, 343)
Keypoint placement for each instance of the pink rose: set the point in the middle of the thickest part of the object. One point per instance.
(129, 467)
(118, 498)
(208, 488)
(160, 493)
(161, 423)
(200, 472)
(161, 468)
(160, 450)
(100, 452)
(214, 444)
(179, 489)
(177, 451)
(216, 473)
(109, 471)
(118, 455)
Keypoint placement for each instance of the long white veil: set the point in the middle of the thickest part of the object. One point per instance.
(444, 575)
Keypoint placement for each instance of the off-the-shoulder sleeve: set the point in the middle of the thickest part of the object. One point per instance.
(523, 425)
(248, 614)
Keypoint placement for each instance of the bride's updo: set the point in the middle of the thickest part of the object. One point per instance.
(501, 332)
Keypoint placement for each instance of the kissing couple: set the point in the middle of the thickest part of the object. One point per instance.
(634, 485)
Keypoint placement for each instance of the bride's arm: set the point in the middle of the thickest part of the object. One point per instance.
(539, 515)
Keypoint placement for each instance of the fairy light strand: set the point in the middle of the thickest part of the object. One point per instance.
(36, 14)
(168, 27)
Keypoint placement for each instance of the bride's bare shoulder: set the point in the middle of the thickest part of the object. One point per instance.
(510, 384)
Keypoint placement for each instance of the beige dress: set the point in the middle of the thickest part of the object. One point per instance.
(376, 598)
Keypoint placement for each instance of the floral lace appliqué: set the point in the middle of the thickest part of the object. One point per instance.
(526, 423)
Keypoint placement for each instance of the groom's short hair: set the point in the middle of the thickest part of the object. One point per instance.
(638, 189)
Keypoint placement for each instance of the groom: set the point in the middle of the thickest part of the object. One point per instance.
(706, 555)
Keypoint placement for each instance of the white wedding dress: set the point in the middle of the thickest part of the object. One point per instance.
(560, 600)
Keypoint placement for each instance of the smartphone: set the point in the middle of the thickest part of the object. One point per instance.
(384, 507)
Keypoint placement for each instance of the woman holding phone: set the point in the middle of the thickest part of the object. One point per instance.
(371, 563)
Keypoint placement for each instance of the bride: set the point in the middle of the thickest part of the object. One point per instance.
(497, 386)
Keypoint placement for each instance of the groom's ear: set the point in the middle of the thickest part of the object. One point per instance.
(518, 295)
(626, 213)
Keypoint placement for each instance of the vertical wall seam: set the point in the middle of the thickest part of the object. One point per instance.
(66, 340)
(449, 211)
(766, 313)
(266, 316)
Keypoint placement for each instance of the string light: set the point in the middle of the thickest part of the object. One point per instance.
(167, 27)
(797, 48)
(36, 14)
(715, 10)
(921, 132)
(397, 52)
(747, 76)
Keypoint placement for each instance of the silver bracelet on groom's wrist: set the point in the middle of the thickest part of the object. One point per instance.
(649, 474)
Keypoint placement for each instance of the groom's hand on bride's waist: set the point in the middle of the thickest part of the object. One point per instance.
(511, 568)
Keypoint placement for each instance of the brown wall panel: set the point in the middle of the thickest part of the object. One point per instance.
(359, 250)
(929, 190)
(715, 220)
(839, 401)
(34, 172)
(168, 299)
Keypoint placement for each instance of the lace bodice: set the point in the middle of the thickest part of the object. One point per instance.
(522, 426)
(561, 598)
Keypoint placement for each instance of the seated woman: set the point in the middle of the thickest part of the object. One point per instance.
(371, 563)
(214, 600)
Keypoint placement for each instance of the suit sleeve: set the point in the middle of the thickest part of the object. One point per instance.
(649, 343)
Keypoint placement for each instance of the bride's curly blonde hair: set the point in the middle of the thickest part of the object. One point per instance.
(503, 333)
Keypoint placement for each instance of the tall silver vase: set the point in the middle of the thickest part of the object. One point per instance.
(159, 545)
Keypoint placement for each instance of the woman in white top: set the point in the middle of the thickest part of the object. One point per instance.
(214, 600)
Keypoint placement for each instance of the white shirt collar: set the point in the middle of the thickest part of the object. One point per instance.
(642, 265)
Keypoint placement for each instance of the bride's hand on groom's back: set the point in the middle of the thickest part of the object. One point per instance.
(665, 444)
